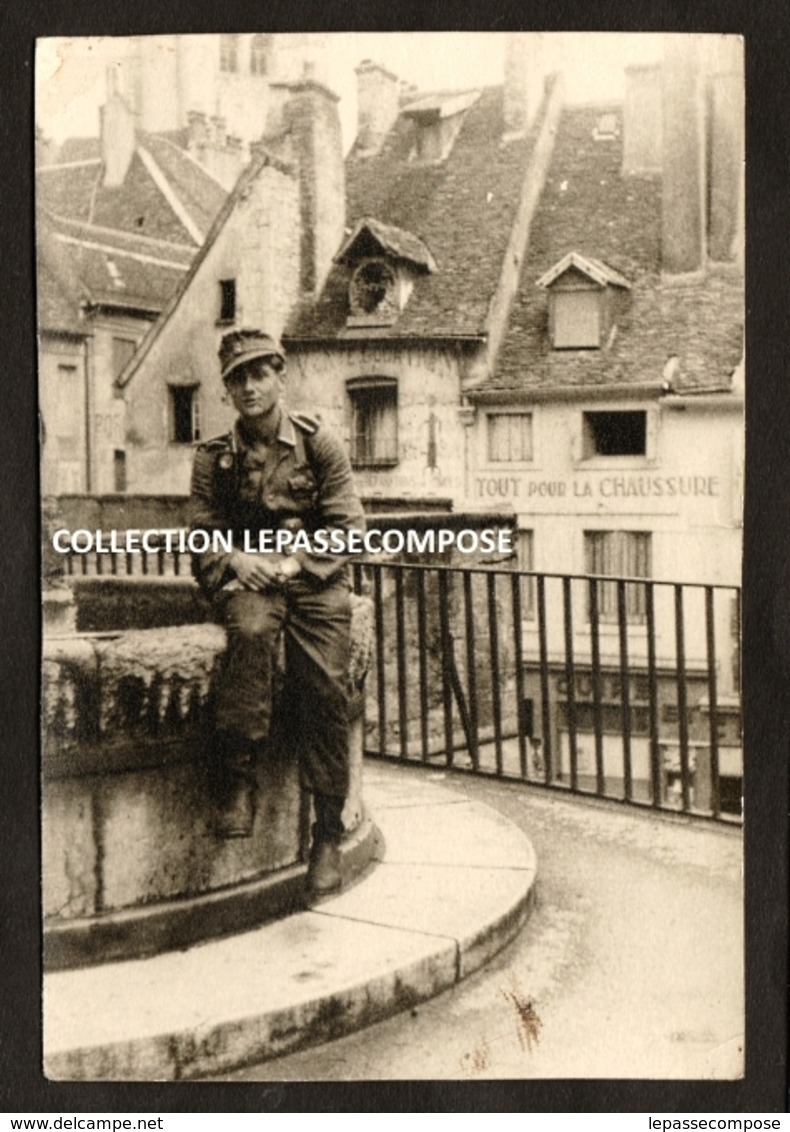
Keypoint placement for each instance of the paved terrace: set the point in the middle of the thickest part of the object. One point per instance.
(630, 964)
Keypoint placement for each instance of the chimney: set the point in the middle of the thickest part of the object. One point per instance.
(312, 118)
(159, 104)
(642, 128)
(683, 157)
(726, 117)
(197, 129)
(117, 135)
(219, 131)
(523, 81)
(378, 95)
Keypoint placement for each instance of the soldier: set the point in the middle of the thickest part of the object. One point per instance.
(277, 470)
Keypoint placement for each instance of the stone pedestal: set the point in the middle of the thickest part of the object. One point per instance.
(127, 806)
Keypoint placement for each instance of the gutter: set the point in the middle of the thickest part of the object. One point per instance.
(423, 340)
(639, 391)
(716, 399)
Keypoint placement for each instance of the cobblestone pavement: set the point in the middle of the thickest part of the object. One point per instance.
(631, 964)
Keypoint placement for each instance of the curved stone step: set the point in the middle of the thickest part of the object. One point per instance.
(452, 886)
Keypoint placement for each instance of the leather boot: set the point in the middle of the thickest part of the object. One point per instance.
(324, 874)
(235, 813)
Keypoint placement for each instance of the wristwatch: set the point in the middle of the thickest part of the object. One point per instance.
(289, 568)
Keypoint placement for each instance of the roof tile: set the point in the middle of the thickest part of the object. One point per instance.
(587, 206)
(462, 208)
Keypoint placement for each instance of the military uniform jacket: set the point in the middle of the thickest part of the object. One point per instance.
(304, 482)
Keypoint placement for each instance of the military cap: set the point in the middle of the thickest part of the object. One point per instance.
(242, 346)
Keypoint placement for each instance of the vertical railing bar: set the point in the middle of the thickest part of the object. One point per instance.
(380, 680)
(446, 646)
(570, 678)
(471, 669)
(422, 661)
(356, 577)
(493, 637)
(652, 685)
(518, 652)
(625, 691)
(713, 707)
(400, 653)
(683, 730)
(545, 691)
(595, 656)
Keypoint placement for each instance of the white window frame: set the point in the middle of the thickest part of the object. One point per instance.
(358, 390)
(488, 460)
(652, 417)
(618, 550)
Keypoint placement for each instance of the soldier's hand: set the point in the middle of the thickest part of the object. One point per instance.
(256, 571)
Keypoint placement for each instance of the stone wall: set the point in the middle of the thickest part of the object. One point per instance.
(127, 802)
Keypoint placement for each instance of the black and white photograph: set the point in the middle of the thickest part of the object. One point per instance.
(391, 392)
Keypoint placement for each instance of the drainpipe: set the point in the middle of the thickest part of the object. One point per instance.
(89, 407)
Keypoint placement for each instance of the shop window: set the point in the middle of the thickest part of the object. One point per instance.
(227, 300)
(184, 414)
(229, 53)
(619, 433)
(374, 421)
(509, 437)
(619, 554)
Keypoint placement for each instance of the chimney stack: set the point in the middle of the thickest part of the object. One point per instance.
(378, 94)
(726, 116)
(524, 73)
(312, 118)
(642, 127)
(117, 134)
(683, 226)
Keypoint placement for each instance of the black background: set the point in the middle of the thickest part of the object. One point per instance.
(766, 562)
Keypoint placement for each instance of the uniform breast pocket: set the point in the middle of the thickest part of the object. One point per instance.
(250, 486)
(302, 487)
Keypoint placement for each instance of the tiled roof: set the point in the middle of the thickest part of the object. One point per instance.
(79, 149)
(137, 205)
(462, 208)
(59, 291)
(595, 269)
(197, 190)
(369, 235)
(588, 207)
(239, 192)
(109, 266)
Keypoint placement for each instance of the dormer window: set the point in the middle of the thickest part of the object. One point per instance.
(437, 121)
(585, 297)
(385, 263)
(373, 288)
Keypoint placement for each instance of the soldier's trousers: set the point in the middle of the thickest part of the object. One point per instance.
(313, 705)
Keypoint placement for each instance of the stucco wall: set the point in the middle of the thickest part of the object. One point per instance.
(428, 398)
(262, 231)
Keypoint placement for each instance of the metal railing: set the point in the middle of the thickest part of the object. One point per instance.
(160, 562)
(624, 688)
(621, 688)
